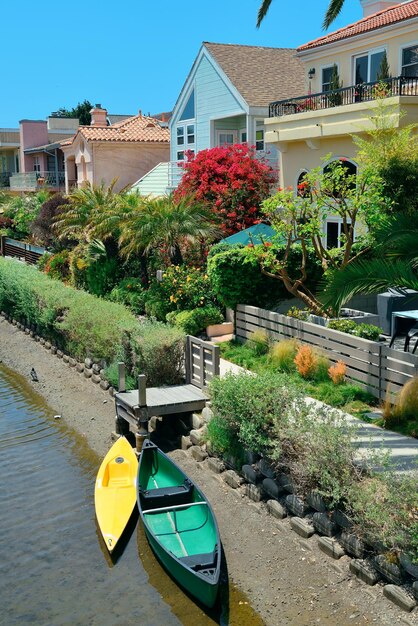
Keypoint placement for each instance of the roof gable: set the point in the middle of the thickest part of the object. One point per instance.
(139, 128)
(260, 74)
(386, 17)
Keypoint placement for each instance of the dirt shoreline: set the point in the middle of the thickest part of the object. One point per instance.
(288, 580)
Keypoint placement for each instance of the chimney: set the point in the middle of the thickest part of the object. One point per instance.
(374, 6)
(98, 116)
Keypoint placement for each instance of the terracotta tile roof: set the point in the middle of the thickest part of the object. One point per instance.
(140, 128)
(260, 74)
(386, 17)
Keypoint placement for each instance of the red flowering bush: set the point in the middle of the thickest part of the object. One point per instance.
(231, 180)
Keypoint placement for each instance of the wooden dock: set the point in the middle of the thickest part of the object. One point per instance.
(136, 407)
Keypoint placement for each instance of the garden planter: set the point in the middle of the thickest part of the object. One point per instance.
(218, 330)
(359, 317)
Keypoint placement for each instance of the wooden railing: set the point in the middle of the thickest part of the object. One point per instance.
(21, 250)
(364, 92)
(372, 365)
(202, 361)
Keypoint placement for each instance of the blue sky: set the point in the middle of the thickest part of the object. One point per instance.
(131, 55)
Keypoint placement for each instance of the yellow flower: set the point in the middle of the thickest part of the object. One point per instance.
(188, 279)
(205, 276)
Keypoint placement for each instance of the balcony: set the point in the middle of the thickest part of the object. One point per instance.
(33, 181)
(341, 112)
(364, 92)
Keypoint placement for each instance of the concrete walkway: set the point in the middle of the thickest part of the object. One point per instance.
(370, 439)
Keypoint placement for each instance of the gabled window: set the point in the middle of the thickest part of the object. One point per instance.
(189, 109)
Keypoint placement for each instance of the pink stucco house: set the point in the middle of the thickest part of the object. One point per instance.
(125, 150)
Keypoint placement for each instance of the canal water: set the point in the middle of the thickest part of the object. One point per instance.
(55, 569)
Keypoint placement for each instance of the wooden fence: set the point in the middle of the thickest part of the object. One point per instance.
(20, 250)
(378, 369)
(202, 361)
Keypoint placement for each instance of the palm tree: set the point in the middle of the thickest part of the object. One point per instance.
(334, 9)
(394, 266)
(89, 206)
(165, 222)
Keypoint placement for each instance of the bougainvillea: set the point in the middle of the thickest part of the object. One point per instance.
(231, 180)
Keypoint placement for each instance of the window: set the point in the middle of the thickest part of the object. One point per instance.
(410, 61)
(259, 136)
(334, 230)
(180, 135)
(180, 155)
(36, 164)
(189, 109)
(190, 133)
(226, 137)
(366, 66)
(326, 77)
(243, 135)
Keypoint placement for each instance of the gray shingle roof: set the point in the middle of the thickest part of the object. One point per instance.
(261, 75)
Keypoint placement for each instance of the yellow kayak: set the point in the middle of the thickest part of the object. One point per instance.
(115, 491)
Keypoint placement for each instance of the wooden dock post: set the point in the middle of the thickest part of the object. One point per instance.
(121, 425)
(142, 426)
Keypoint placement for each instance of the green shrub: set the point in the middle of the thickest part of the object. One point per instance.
(182, 288)
(259, 342)
(384, 509)
(159, 354)
(251, 405)
(195, 321)
(223, 440)
(58, 266)
(267, 414)
(322, 366)
(282, 355)
(102, 275)
(299, 314)
(339, 395)
(131, 293)
(367, 331)
(84, 325)
(343, 325)
(112, 375)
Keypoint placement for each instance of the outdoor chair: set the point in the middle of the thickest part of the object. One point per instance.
(413, 332)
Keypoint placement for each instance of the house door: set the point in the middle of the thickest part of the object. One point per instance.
(226, 137)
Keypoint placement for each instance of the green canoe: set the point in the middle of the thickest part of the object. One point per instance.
(179, 524)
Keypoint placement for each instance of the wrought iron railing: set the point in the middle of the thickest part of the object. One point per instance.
(364, 92)
(30, 181)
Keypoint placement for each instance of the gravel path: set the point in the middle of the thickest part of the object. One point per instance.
(288, 581)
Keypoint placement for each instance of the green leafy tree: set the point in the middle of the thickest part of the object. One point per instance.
(299, 219)
(333, 11)
(81, 112)
(335, 97)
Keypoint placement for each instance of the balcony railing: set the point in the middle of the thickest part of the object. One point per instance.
(31, 181)
(364, 92)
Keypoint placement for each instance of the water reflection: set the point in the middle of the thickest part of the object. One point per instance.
(56, 570)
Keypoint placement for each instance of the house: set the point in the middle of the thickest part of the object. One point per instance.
(224, 101)
(125, 150)
(32, 152)
(306, 129)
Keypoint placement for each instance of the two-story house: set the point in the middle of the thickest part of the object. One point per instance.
(306, 129)
(223, 101)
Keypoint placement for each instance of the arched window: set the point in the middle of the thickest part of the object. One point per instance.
(302, 185)
(350, 169)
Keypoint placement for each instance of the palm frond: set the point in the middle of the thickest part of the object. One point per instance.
(262, 11)
(365, 277)
(333, 11)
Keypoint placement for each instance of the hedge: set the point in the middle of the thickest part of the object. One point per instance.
(84, 325)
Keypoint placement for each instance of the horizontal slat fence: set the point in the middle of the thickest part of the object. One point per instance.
(202, 361)
(370, 364)
(21, 250)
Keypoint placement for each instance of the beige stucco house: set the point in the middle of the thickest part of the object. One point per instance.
(308, 128)
(125, 150)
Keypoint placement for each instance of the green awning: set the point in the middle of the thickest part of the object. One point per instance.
(255, 234)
